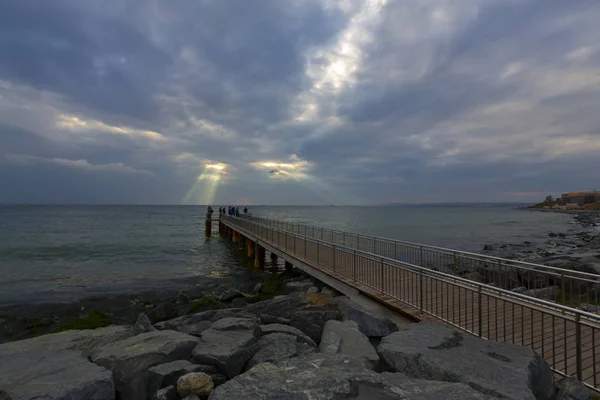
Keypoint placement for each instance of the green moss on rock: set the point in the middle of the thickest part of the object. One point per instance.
(96, 319)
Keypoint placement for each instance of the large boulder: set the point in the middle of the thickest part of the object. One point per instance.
(369, 323)
(280, 306)
(345, 338)
(288, 330)
(163, 311)
(235, 324)
(276, 347)
(195, 329)
(167, 393)
(297, 286)
(85, 340)
(331, 377)
(572, 389)
(130, 358)
(546, 293)
(62, 374)
(311, 322)
(433, 351)
(228, 350)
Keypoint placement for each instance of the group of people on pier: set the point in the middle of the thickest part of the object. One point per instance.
(229, 210)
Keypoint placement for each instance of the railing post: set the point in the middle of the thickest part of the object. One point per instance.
(421, 291)
(499, 276)
(480, 311)
(454, 263)
(354, 267)
(395, 251)
(344, 238)
(358, 241)
(333, 250)
(374, 246)
(382, 281)
(421, 257)
(578, 344)
(318, 245)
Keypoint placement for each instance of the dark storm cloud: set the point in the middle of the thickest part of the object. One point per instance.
(372, 101)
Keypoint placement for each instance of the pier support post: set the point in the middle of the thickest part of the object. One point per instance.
(274, 257)
(234, 237)
(259, 257)
(208, 225)
(250, 248)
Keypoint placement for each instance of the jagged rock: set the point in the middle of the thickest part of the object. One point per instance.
(130, 358)
(167, 374)
(267, 319)
(143, 325)
(230, 294)
(85, 340)
(547, 293)
(313, 289)
(520, 290)
(191, 397)
(572, 389)
(327, 291)
(195, 384)
(163, 311)
(488, 247)
(61, 374)
(278, 346)
(331, 377)
(209, 315)
(288, 330)
(257, 288)
(552, 234)
(235, 324)
(228, 350)
(239, 302)
(280, 306)
(369, 323)
(345, 338)
(432, 351)
(312, 322)
(593, 308)
(196, 329)
(168, 393)
(297, 286)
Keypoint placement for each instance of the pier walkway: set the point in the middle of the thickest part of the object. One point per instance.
(468, 291)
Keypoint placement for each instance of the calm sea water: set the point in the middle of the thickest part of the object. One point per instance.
(48, 252)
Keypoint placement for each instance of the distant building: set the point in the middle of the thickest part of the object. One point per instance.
(579, 198)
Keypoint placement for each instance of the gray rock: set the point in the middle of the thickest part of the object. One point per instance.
(257, 288)
(369, 323)
(400, 386)
(520, 290)
(163, 311)
(345, 338)
(312, 322)
(143, 325)
(228, 350)
(230, 294)
(276, 347)
(280, 306)
(61, 374)
(547, 293)
(297, 286)
(572, 389)
(85, 340)
(288, 330)
(334, 376)
(432, 351)
(593, 308)
(167, 374)
(196, 329)
(239, 302)
(313, 289)
(168, 393)
(267, 319)
(130, 358)
(191, 397)
(235, 324)
(195, 384)
(209, 315)
(327, 291)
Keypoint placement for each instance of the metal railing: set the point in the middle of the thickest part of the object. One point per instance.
(566, 337)
(567, 287)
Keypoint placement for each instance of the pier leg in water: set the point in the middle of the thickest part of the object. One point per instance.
(259, 257)
(234, 237)
(250, 246)
(288, 266)
(242, 242)
(208, 225)
(274, 257)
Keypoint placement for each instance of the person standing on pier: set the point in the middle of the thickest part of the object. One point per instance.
(245, 210)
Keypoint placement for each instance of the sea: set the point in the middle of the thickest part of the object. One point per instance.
(61, 253)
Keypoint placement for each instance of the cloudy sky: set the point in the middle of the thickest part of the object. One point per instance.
(297, 101)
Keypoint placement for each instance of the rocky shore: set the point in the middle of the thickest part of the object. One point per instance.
(301, 340)
(576, 249)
